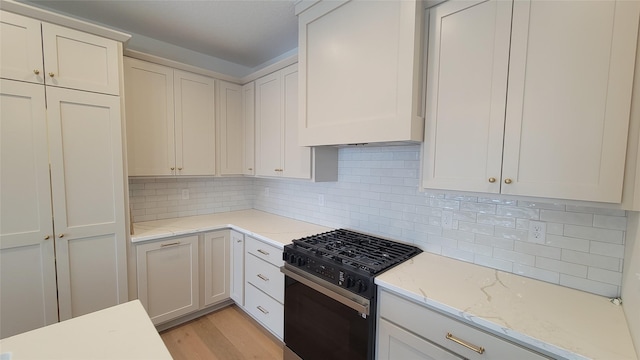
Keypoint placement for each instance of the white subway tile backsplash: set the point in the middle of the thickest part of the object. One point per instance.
(378, 193)
(591, 233)
(566, 217)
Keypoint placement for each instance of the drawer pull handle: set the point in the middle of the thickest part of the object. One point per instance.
(478, 349)
(263, 277)
(263, 310)
(170, 244)
(263, 252)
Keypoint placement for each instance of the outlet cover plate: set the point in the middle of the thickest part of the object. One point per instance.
(537, 232)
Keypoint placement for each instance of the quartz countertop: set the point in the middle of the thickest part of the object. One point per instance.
(120, 332)
(274, 229)
(561, 321)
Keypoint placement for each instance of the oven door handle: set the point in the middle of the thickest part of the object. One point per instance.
(359, 307)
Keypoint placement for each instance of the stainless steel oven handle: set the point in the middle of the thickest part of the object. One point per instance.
(361, 308)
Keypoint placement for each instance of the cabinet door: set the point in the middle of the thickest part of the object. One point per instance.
(466, 95)
(194, 124)
(570, 81)
(237, 267)
(248, 123)
(269, 138)
(231, 132)
(168, 277)
(217, 267)
(360, 69)
(149, 114)
(397, 343)
(78, 60)
(27, 260)
(85, 151)
(20, 48)
(296, 162)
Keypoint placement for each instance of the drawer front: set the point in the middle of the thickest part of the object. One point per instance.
(265, 309)
(435, 327)
(265, 277)
(264, 251)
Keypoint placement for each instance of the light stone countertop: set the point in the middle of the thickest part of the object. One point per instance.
(120, 332)
(565, 322)
(273, 229)
(557, 320)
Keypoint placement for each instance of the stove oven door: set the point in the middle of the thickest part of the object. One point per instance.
(323, 321)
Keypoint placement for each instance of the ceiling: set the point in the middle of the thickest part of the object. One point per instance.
(245, 32)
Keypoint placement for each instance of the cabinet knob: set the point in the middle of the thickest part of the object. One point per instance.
(51, 74)
(61, 236)
(47, 237)
(507, 181)
(36, 71)
(238, 241)
(250, 168)
(492, 180)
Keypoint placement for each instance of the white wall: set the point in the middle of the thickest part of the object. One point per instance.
(631, 279)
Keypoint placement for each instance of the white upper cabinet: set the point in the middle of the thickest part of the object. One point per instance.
(170, 121)
(58, 56)
(565, 112)
(360, 72)
(231, 134)
(468, 58)
(248, 126)
(278, 151)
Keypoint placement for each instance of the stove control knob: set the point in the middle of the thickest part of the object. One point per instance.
(350, 282)
(285, 256)
(292, 259)
(361, 286)
(301, 261)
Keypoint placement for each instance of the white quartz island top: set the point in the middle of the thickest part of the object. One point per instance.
(277, 230)
(120, 332)
(568, 323)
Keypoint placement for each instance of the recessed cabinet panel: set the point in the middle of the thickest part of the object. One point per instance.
(79, 60)
(149, 110)
(248, 123)
(569, 97)
(194, 124)
(360, 72)
(466, 94)
(217, 266)
(395, 342)
(28, 299)
(297, 159)
(168, 285)
(231, 134)
(20, 48)
(269, 141)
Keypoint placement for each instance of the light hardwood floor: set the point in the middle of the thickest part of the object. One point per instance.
(226, 334)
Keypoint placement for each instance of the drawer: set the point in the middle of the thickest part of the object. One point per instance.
(265, 309)
(265, 277)
(264, 251)
(434, 327)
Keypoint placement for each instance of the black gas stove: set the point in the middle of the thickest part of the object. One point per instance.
(347, 258)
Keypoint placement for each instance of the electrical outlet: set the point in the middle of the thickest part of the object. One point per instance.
(447, 220)
(266, 192)
(185, 194)
(537, 232)
(320, 200)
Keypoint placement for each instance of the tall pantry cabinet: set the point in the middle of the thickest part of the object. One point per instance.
(62, 219)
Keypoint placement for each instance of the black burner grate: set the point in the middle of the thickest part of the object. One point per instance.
(362, 251)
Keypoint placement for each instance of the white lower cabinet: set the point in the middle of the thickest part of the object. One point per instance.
(264, 285)
(237, 267)
(395, 342)
(181, 275)
(168, 284)
(408, 330)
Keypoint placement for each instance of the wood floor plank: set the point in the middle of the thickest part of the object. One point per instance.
(226, 334)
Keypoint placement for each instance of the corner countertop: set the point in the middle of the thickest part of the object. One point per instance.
(274, 229)
(120, 332)
(565, 322)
